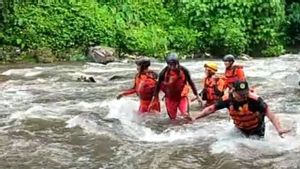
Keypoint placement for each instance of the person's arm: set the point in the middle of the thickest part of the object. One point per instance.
(205, 112)
(161, 77)
(264, 108)
(240, 74)
(275, 121)
(190, 82)
(128, 91)
(211, 109)
(221, 85)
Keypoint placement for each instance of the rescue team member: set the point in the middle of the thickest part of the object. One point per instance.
(174, 80)
(246, 109)
(144, 86)
(214, 85)
(233, 72)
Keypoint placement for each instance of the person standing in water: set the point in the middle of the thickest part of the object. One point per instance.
(144, 85)
(174, 80)
(246, 109)
(213, 85)
(233, 72)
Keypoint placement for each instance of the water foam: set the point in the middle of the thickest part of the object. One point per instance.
(231, 141)
(124, 110)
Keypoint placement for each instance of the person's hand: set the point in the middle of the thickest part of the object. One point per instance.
(283, 131)
(199, 101)
(119, 96)
(192, 118)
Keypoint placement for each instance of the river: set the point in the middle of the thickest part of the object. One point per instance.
(50, 120)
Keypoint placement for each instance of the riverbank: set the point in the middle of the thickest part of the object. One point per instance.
(13, 55)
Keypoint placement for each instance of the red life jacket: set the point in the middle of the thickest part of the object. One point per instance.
(231, 75)
(243, 118)
(174, 83)
(145, 85)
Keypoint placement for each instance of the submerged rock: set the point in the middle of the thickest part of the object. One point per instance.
(115, 77)
(86, 79)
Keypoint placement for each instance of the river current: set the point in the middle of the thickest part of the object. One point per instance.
(50, 120)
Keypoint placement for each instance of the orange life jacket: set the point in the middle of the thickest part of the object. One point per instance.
(213, 88)
(175, 84)
(145, 85)
(233, 76)
(243, 118)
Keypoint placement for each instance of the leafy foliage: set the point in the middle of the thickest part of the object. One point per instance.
(148, 40)
(60, 26)
(153, 28)
(293, 18)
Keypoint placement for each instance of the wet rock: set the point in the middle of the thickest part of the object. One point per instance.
(86, 79)
(131, 57)
(103, 55)
(115, 77)
(244, 57)
(207, 55)
(201, 55)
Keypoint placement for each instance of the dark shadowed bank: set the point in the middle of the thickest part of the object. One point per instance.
(51, 31)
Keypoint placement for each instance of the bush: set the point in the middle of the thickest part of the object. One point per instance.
(293, 18)
(147, 40)
(154, 27)
(183, 39)
(227, 36)
(60, 26)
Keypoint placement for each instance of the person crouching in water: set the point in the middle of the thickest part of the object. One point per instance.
(174, 80)
(214, 85)
(144, 85)
(246, 109)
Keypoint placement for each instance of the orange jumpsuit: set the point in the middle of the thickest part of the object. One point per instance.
(144, 86)
(175, 84)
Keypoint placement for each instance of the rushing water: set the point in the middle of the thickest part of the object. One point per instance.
(49, 120)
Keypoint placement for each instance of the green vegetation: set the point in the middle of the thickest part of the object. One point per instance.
(152, 28)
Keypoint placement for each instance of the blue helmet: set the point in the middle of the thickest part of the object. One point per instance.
(172, 58)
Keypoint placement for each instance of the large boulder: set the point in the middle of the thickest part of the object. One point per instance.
(103, 55)
(244, 57)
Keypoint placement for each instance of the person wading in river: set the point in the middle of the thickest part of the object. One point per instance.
(233, 72)
(246, 109)
(214, 85)
(174, 80)
(144, 85)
